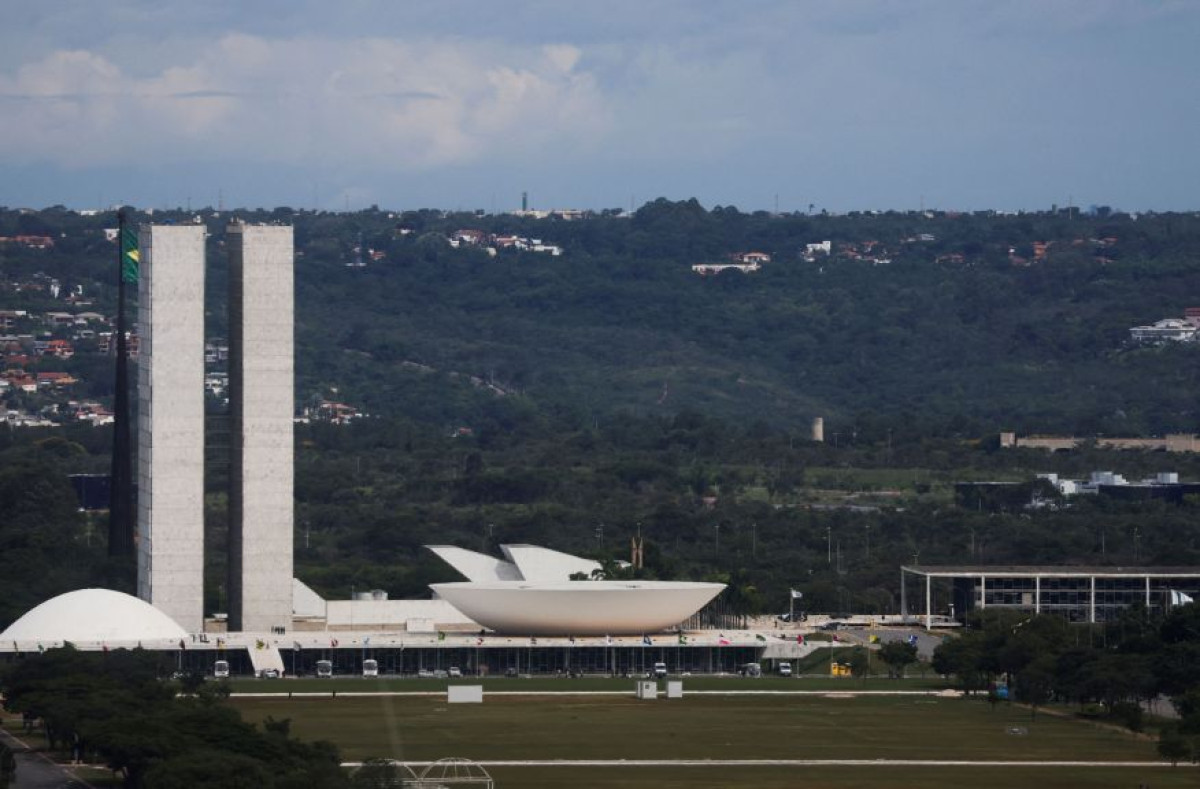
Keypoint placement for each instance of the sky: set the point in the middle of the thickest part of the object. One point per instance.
(465, 104)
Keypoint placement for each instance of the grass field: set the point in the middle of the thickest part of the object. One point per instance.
(724, 727)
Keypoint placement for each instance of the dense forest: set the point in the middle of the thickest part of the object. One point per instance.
(574, 400)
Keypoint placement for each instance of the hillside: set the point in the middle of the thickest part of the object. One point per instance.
(574, 399)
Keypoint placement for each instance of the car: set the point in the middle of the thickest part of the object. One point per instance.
(455, 671)
(424, 673)
(751, 670)
(510, 672)
(785, 669)
(269, 673)
(799, 616)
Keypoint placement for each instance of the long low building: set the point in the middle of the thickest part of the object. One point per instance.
(104, 620)
(1081, 594)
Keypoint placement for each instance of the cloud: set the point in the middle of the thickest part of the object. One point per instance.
(397, 104)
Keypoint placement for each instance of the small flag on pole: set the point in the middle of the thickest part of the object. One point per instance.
(723, 641)
(441, 636)
(799, 638)
(646, 640)
(796, 595)
(130, 258)
(682, 638)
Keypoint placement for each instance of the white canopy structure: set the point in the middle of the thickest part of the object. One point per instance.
(476, 566)
(94, 615)
(539, 564)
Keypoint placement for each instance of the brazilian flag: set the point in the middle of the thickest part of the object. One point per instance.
(129, 256)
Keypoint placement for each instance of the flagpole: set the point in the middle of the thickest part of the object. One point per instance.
(120, 532)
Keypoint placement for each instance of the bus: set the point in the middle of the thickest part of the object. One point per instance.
(221, 669)
(324, 668)
(370, 668)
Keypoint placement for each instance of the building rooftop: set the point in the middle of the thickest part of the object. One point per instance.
(1057, 571)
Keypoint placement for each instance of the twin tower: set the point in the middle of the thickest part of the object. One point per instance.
(171, 418)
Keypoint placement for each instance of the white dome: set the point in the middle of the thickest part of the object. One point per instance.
(94, 615)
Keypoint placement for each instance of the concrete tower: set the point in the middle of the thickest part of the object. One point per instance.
(261, 373)
(170, 510)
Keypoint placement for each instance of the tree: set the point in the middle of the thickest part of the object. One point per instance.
(897, 655)
(963, 658)
(1173, 746)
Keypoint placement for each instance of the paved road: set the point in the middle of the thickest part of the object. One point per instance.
(35, 771)
(990, 763)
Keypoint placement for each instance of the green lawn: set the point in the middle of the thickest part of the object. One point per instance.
(883, 777)
(762, 727)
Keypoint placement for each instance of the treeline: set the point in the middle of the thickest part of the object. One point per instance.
(759, 508)
(117, 707)
(1119, 667)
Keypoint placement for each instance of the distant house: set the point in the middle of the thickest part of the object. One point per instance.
(337, 413)
(1166, 330)
(21, 381)
(751, 257)
(59, 348)
(48, 380)
(821, 248)
(509, 242)
(550, 249)
(60, 319)
(470, 238)
(711, 269)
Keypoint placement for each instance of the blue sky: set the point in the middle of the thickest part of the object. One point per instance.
(846, 105)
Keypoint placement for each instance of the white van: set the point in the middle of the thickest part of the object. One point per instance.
(751, 670)
(324, 668)
(221, 669)
(660, 670)
(785, 669)
(370, 668)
